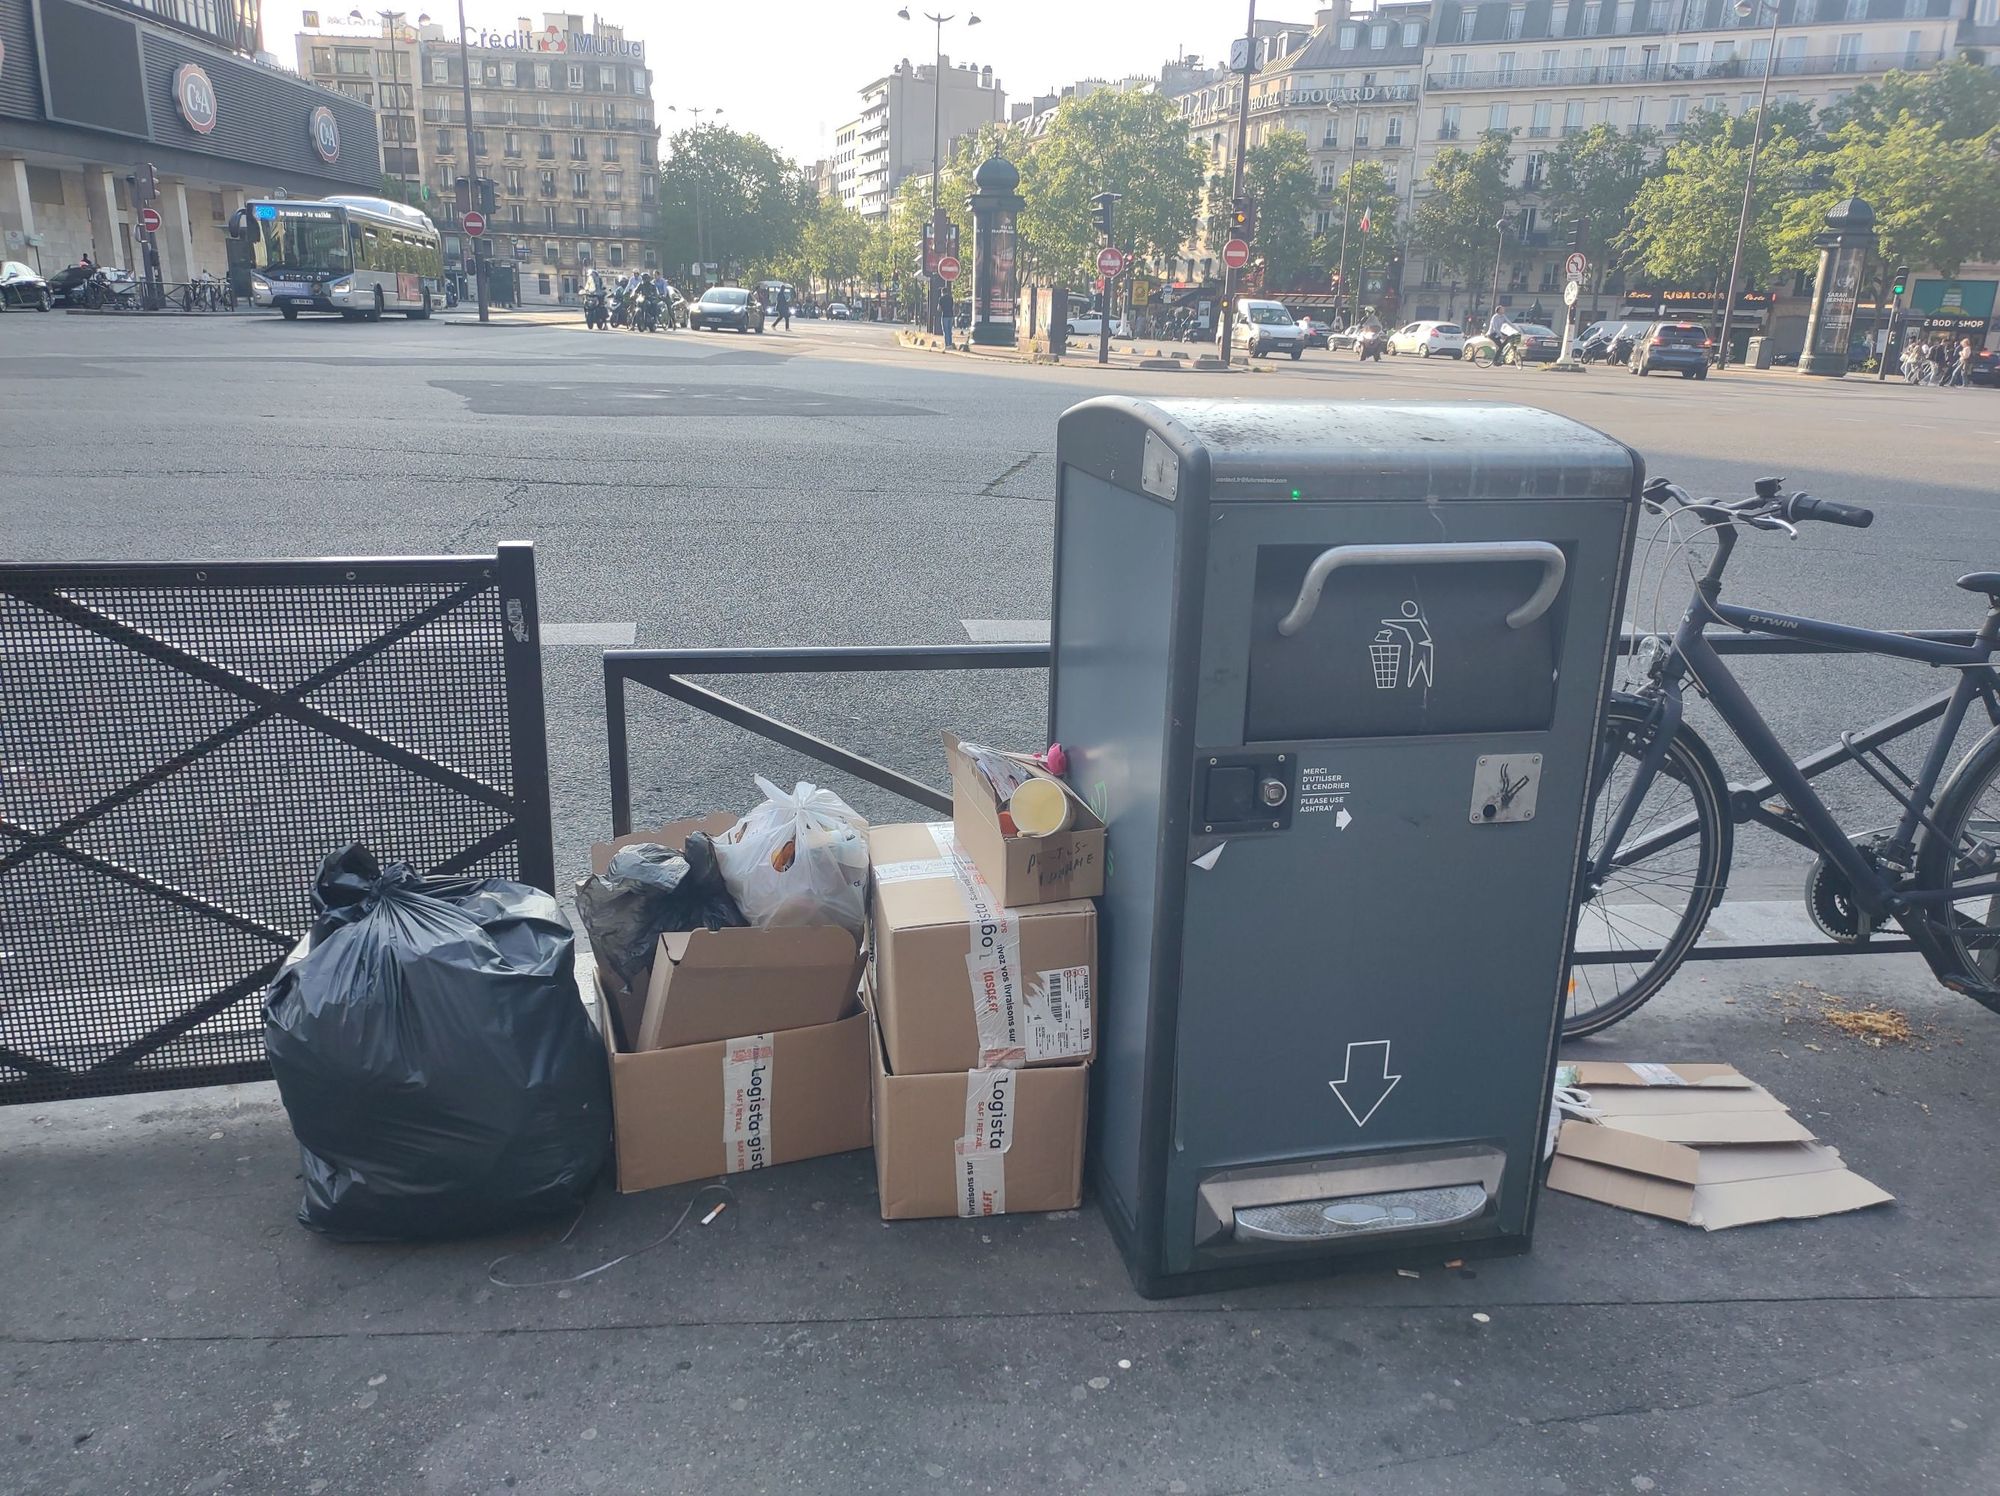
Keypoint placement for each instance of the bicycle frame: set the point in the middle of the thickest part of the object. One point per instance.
(1808, 822)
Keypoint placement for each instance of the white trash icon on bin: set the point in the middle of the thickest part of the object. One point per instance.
(1408, 636)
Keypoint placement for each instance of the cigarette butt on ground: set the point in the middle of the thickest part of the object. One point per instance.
(719, 1209)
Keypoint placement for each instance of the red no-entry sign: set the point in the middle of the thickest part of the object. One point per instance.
(1110, 260)
(149, 220)
(947, 267)
(1235, 254)
(475, 224)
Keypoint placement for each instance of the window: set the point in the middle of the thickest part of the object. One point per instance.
(509, 75)
(1656, 15)
(515, 214)
(1677, 112)
(615, 253)
(607, 79)
(579, 183)
(1614, 63)
(1848, 58)
(1621, 21)
(1517, 16)
(1448, 122)
(549, 216)
(1857, 10)
(444, 143)
(1378, 37)
(1638, 115)
(1986, 12)
(614, 184)
(1686, 56)
(552, 252)
(1505, 72)
(1329, 174)
(541, 75)
(513, 144)
(1593, 14)
(576, 112)
(1496, 116)
(610, 116)
(576, 75)
(1535, 169)
(350, 62)
(1360, 130)
(1714, 104)
(610, 148)
(579, 149)
(1468, 18)
(1455, 71)
(614, 217)
(1746, 103)
(583, 220)
(1413, 33)
(478, 142)
(1559, 18)
(639, 81)
(1539, 126)
(1331, 139)
(1350, 37)
(1807, 10)
(649, 187)
(1394, 134)
(548, 184)
(1550, 61)
(322, 59)
(514, 181)
(1573, 117)
(1583, 61)
(359, 91)
(440, 70)
(1791, 54)
(652, 258)
(1913, 49)
(1549, 269)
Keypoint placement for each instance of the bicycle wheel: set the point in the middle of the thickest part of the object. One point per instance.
(1968, 851)
(1482, 358)
(1635, 929)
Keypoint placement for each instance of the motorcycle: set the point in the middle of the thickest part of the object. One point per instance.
(596, 310)
(111, 287)
(646, 309)
(1369, 343)
(621, 308)
(1620, 352)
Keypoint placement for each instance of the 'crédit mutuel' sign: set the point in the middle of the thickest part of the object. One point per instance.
(554, 40)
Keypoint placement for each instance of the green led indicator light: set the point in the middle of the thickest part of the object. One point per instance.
(1298, 493)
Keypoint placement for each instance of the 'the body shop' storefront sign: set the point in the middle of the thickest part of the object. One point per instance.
(554, 40)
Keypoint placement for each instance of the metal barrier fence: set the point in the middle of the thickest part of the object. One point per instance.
(666, 671)
(179, 747)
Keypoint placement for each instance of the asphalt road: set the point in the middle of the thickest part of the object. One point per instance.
(822, 486)
(164, 1326)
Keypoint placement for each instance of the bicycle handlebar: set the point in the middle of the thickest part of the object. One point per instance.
(1804, 507)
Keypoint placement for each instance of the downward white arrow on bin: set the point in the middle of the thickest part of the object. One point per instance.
(1370, 1085)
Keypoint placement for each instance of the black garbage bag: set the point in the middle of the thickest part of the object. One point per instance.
(646, 891)
(440, 1072)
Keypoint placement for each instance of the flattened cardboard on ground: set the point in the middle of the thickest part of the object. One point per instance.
(920, 1120)
(1713, 1187)
(707, 985)
(1711, 1112)
(1616, 1073)
(671, 1121)
(1026, 870)
(921, 939)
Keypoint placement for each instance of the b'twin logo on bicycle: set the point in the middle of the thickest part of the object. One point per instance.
(1764, 621)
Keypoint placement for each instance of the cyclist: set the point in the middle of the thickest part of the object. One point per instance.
(1503, 333)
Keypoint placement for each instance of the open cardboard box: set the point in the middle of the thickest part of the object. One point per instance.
(1025, 870)
(953, 990)
(718, 984)
(976, 1142)
(1699, 1144)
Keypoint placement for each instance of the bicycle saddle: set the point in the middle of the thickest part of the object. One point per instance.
(1987, 582)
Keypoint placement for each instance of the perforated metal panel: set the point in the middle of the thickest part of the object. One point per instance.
(179, 746)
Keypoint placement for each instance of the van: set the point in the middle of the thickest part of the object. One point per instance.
(1265, 329)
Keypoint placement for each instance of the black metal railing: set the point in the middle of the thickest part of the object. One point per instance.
(667, 671)
(182, 743)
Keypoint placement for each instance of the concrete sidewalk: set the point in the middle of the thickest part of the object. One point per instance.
(169, 1328)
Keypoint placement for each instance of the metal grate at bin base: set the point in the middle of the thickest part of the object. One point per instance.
(1362, 1215)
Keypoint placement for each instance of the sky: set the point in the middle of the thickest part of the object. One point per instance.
(792, 70)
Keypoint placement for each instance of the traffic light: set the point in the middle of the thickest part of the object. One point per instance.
(1242, 217)
(1394, 277)
(148, 183)
(926, 261)
(1100, 212)
(1576, 233)
(1900, 282)
(488, 191)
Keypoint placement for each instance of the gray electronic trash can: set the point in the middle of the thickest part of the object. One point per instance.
(1331, 673)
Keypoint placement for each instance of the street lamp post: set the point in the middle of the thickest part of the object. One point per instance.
(471, 245)
(700, 236)
(937, 157)
(1747, 8)
(1249, 44)
(1499, 248)
(1347, 214)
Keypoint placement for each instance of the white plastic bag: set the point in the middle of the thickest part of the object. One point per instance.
(798, 859)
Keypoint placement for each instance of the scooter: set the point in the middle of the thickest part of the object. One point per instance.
(1369, 343)
(1620, 352)
(596, 310)
(646, 309)
(621, 307)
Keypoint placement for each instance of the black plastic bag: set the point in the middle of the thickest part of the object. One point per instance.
(440, 1072)
(646, 891)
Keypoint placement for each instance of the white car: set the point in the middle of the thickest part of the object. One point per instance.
(1429, 340)
(1090, 324)
(838, 312)
(1265, 328)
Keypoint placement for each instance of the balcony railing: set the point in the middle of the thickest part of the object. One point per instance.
(1829, 64)
(1538, 132)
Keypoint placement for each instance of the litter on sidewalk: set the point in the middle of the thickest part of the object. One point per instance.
(1700, 1144)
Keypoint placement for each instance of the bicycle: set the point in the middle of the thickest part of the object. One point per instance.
(1482, 353)
(1662, 816)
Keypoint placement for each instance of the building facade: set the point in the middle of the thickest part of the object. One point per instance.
(380, 69)
(563, 123)
(1545, 70)
(92, 89)
(892, 138)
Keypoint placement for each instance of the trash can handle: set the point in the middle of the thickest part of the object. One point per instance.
(1330, 560)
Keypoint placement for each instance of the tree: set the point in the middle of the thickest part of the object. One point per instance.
(396, 190)
(1683, 225)
(731, 198)
(1362, 195)
(1130, 142)
(1278, 177)
(1936, 200)
(1592, 179)
(1469, 194)
(1962, 98)
(831, 245)
(1707, 126)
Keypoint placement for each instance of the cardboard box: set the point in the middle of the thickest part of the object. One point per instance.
(707, 985)
(977, 1142)
(1699, 1144)
(747, 1103)
(1025, 870)
(963, 982)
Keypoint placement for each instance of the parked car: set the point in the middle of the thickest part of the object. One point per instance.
(1265, 329)
(21, 286)
(727, 306)
(1318, 334)
(1539, 344)
(1595, 341)
(838, 311)
(1346, 337)
(1429, 340)
(1678, 347)
(1087, 324)
(1985, 367)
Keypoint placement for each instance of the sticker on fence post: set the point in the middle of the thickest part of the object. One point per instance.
(747, 1065)
(982, 1180)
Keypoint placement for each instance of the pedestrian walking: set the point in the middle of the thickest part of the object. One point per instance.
(1961, 371)
(785, 309)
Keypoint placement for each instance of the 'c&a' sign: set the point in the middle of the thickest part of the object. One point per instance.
(195, 97)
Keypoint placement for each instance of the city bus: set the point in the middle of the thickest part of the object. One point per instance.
(358, 256)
